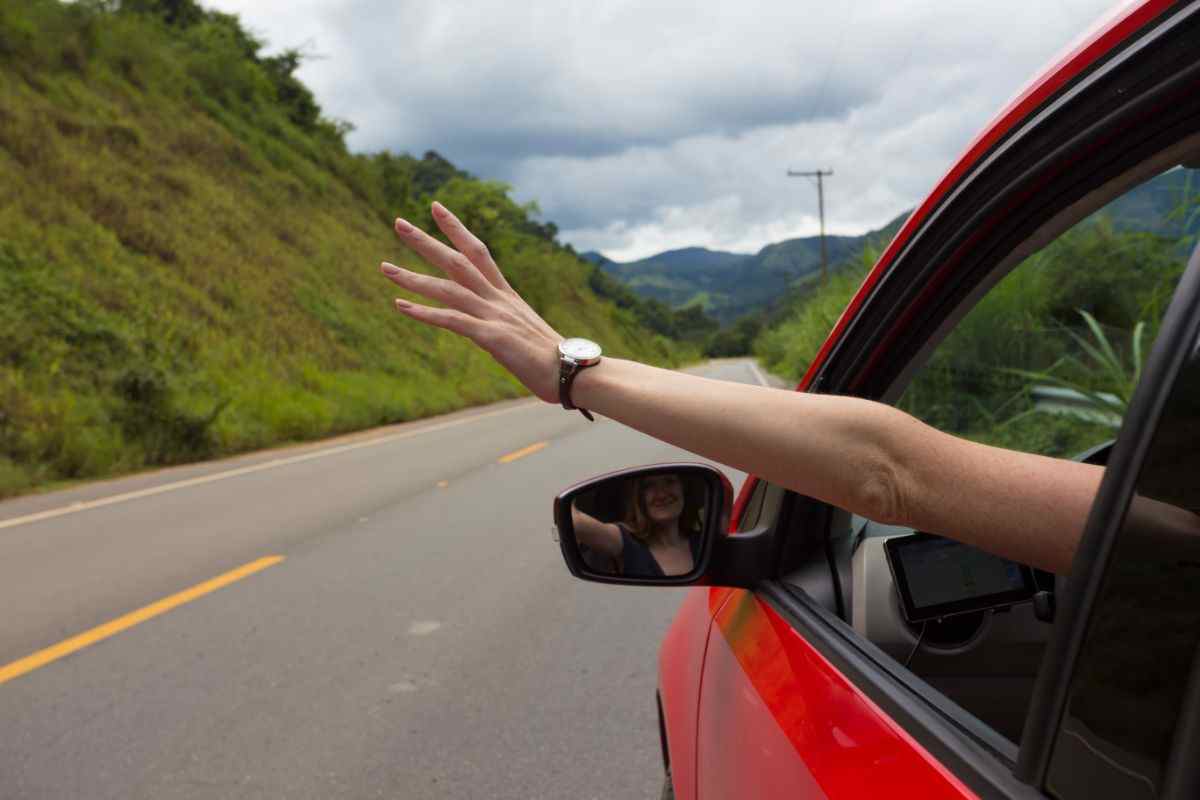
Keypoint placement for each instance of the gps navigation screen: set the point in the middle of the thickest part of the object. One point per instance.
(942, 571)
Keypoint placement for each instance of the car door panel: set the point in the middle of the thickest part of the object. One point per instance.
(778, 720)
(681, 668)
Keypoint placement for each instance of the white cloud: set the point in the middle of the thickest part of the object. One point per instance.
(643, 126)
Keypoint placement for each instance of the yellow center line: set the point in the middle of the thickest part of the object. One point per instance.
(524, 451)
(101, 632)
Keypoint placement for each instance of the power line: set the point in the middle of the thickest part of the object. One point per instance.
(818, 174)
(819, 108)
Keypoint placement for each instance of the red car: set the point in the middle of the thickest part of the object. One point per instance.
(828, 656)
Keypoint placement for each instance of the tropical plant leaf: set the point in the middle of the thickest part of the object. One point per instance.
(1110, 355)
(1139, 331)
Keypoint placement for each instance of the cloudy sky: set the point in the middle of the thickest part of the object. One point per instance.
(640, 127)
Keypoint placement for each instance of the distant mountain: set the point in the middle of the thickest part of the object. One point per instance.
(679, 278)
(684, 258)
(728, 285)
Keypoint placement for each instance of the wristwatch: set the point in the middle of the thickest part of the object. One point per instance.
(573, 356)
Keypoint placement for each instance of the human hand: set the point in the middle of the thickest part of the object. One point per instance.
(480, 304)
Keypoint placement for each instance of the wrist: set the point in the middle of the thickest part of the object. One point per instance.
(590, 384)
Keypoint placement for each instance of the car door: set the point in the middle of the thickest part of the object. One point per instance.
(795, 701)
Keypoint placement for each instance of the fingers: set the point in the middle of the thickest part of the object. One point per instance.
(440, 289)
(470, 246)
(448, 318)
(448, 260)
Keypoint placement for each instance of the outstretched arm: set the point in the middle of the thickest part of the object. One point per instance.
(863, 456)
(866, 457)
(603, 537)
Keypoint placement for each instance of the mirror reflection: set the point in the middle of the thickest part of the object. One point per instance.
(648, 526)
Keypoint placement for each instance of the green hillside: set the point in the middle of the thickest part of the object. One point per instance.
(189, 254)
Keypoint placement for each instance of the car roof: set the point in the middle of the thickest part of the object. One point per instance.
(1106, 35)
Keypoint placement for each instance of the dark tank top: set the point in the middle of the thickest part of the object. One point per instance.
(637, 560)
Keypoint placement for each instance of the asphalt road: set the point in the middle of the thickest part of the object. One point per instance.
(420, 637)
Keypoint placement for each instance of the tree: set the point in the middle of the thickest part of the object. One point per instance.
(294, 96)
(176, 13)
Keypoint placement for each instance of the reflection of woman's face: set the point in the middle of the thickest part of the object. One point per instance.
(662, 497)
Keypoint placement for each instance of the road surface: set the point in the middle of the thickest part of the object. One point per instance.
(390, 619)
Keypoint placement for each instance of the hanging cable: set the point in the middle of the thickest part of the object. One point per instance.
(819, 106)
(916, 646)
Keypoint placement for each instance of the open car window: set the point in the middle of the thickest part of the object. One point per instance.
(1046, 362)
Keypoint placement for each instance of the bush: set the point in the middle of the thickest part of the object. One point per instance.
(789, 347)
(736, 339)
(151, 415)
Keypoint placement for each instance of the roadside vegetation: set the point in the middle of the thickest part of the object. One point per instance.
(1078, 316)
(188, 253)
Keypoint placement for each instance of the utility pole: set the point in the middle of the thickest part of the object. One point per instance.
(818, 174)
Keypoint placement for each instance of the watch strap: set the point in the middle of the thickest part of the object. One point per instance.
(568, 368)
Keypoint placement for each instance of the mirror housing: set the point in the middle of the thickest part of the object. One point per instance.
(698, 499)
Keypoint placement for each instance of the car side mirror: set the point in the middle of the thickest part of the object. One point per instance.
(658, 525)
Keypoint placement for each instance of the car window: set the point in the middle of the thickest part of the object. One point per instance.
(1048, 359)
(1138, 657)
(1045, 362)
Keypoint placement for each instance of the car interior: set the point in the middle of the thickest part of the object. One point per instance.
(984, 660)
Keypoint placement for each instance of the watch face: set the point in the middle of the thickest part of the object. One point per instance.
(580, 349)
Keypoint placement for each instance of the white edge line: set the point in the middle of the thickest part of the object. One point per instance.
(233, 473)
(757, 374)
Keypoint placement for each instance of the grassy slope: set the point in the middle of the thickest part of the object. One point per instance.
(180, 278)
